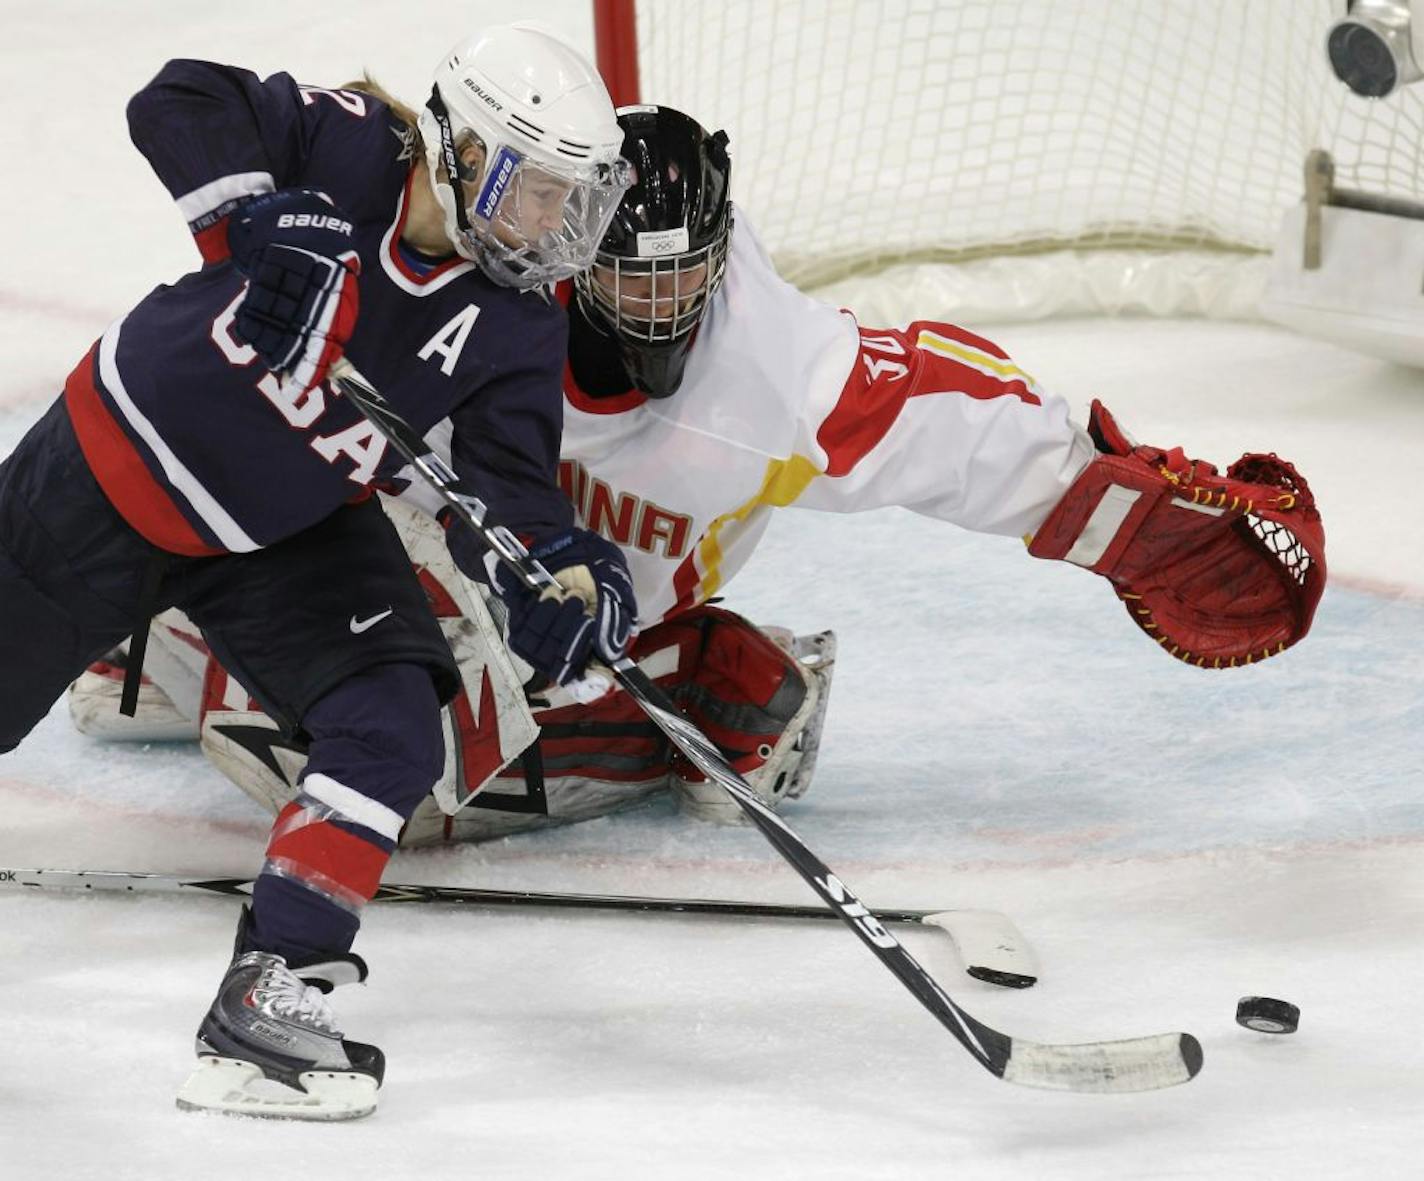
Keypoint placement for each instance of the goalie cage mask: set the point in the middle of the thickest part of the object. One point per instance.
(665, 253)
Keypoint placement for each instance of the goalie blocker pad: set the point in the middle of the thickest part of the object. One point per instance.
(1220, 570)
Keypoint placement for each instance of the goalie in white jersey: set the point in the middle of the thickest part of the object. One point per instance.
(702, 393)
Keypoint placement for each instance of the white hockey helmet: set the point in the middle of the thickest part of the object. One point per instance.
(522, 146)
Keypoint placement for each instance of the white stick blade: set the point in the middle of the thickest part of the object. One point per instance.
(990, 946)
(1106, 1068)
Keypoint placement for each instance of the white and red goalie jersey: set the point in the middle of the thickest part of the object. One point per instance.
(788, 402)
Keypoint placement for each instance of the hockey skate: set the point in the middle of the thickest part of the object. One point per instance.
(269, 1045)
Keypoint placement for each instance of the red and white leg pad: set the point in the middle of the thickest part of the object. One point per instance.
(486, 726)
(761, 696)
(169, 690)
(780, 766)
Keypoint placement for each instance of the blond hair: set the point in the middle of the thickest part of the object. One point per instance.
(368, 85)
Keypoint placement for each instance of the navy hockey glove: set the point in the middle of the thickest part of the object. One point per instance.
(594, 617)
(296, 250)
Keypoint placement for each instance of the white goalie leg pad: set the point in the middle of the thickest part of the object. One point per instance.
(169, 693)
(562, 787)
(492, 724)
(246, 745)
(569, 799)
(786, 772)
(176, 661)
(234, 1087)
(484, 729)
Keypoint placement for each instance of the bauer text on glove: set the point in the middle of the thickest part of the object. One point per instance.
(296, 250)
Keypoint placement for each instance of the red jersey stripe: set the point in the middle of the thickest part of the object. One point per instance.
(616, 404)
(212, 242)
(685, 582)
(419, 278)
(896, 365)
(121, 471)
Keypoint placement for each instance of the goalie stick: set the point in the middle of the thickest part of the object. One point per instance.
(1133, 1064)
(989, 945)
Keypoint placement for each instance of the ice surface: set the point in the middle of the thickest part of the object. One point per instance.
(1168, 839)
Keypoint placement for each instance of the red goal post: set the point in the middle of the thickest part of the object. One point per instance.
(615, 40)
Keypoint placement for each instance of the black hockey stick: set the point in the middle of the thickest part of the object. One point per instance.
(990, 946)
(1134, 1064)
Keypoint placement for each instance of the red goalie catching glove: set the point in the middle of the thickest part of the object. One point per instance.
(1220, 570)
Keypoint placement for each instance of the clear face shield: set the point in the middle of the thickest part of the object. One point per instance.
(534, 223)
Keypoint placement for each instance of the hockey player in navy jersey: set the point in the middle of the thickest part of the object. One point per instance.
(199, 459)
(703, 394)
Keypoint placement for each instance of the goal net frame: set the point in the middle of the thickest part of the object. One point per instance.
(985, 160)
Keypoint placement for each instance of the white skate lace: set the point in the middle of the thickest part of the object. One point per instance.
(284, 995)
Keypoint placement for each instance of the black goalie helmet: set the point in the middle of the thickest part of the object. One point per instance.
(664, 255)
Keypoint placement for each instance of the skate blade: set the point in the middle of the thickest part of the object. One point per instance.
(234, 1087)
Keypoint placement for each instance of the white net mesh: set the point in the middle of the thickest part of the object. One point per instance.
(869, 134)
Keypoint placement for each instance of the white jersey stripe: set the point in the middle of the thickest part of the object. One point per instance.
(227, 531)
(217, 193)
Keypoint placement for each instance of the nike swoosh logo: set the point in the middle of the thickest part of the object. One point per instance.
(360, 625)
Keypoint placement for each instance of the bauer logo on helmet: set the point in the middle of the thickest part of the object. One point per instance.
(484, 95)
(498, 181)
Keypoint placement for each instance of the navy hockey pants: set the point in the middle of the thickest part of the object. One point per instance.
(290, 622)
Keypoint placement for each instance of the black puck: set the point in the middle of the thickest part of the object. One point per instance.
(1265, 1014)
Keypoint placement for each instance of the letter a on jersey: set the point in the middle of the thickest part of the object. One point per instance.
(450, 339)
(361, 443)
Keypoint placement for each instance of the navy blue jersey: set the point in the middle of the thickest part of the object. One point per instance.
(198, 445)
